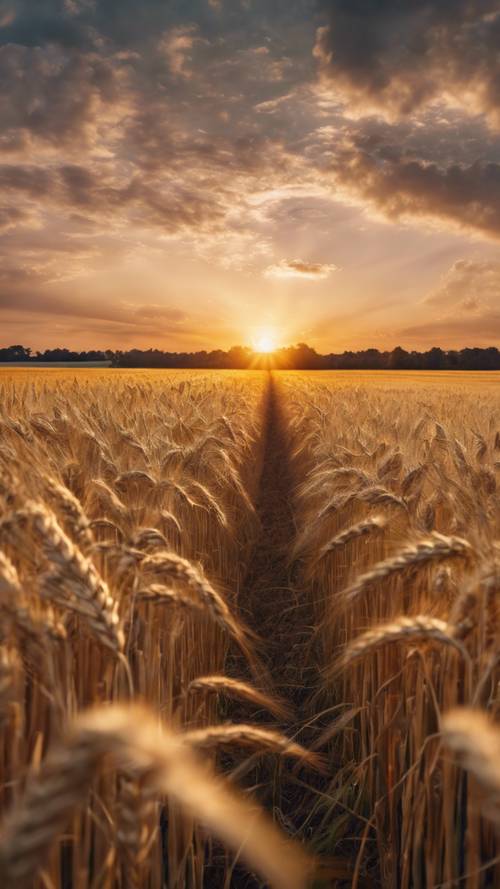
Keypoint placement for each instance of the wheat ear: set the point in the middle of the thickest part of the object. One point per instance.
(133, 739)
(431, 550)
(251, 736)
(74, 581)
(233, 688)
(476, 741)
(73, 511)
(354, 532)
(135, 808)
(32, 629)
(404, 629)
(170, 566)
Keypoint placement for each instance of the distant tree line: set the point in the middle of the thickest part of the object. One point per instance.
(299, 357)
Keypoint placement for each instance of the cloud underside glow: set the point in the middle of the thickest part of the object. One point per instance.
(169, 175)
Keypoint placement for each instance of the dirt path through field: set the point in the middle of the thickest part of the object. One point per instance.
(269, 598)
(280, 612)
(274, 607)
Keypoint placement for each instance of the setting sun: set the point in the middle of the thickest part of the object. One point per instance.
(265, 342)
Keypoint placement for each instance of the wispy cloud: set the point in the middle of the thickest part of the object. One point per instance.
(462, 308)
(297, 268)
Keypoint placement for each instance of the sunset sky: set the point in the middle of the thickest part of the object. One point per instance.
(186, 174)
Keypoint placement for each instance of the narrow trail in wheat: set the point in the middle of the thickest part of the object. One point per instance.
(271, 600)
(272, 606)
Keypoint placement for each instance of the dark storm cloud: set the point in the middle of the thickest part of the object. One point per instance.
(396, 56)
(75, 25)
(408, 61)
(38, 29)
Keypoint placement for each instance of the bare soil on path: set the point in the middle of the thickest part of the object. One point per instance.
(275, 608)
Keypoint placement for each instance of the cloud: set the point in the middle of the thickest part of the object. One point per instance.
(413, 90)
(396, 57)
(468, 285)
(140, 119)
(102, 194)
(176, 45)
(120, 314)
(453, 332)
(155, 311)
(463, 307)
(54, 95)
(297, 268)
(14, 217)
(400, 185)
(34, 182)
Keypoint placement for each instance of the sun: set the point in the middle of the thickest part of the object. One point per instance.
(265, 342)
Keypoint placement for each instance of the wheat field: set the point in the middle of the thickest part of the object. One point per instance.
(249, 629)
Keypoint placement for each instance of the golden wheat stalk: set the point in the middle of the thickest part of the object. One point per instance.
(103, 497)
(207, 501)
(133, 739)
(170, 566)
(361, 529)
(74, 581)
(251, 736)
(404, 629)
(341, 477)
(106, 525)
(8, 690)
(31, 628)
(475, 739)
(412, 478)
(431, 550)
(233, 688)
(133, 478)
(379, 496)
(392, 466)
(134, 816)
(73, 512)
